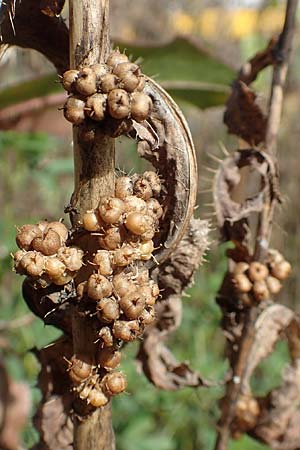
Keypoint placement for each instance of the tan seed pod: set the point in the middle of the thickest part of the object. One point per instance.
(126, 330)
(109, 358)
(17, 260)
(80, 369)
(129, 82)
(99, 70)
(274, 256)
(242, 283)
(97, 397)
(124, 187)
(273, 284)
(48, 244)
(281, 270)
(68, 80)
(141, 85)
(111, 209)
(108, 310)
(154, 181)
(102, 260)
(132, 203)
(260, 291)
(106, 337)
(132, 304)
(43, 224)
(71, 257)
(113, 238)
(240, 267)
(118, 104)
(60, 229)
(142, 189)
(145, 292)
(154, 209)
(122, 284)
(140, 106)
(116, 58)
(109, 82)
(139, 223)
(91, 221)
(54, 267)
(147, 317)
(142, 276)
(63, 279)
(257, 271)
(86, 82)
(98, 287)
(125, 68)
(74, 110)
(247, 412)
(114, 383)
(33, 264)
(154, 288)
(26, 234)
(96, 106)
(145, 250)
(124, 256)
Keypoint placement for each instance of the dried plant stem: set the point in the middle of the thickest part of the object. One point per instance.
(282, 52)
(94, 176)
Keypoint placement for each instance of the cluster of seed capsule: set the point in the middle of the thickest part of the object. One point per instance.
(261, 280)
(44, 255)
(113, 90)
(119, 289)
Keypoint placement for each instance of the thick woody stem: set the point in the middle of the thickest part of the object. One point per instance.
(94, 177)
(282, 52)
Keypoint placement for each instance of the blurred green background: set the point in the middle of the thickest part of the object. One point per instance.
(36, 180)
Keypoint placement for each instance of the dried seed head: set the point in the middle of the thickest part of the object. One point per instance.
(134, 204)
(111, 209)
(102, 260)
(106, 337)
(242, 283)
(273, 284)
(124, 187)
(96, 106)
(54, 267)
(86, 82)
(124, 256)
(108, 310)
(240, 267)
(26, 234)
(113, 238)
(139, 223)
(141, 106)
(260, 291)
(74, 110)
(68, 80)
(48, 244)
(281, 270)
(91, 221)
(118, 104)
(142, 188)
(79, 369)
(125, 68)
(154, 181)
(71, 257)
(33, 264)
(97, 397)
(126, 330)
(98, 287)
(116, 58)
(257, 271)
(60, 229)
(154, 209)
(109, 82)
(109, 358)
(132, 304)
(114, 383)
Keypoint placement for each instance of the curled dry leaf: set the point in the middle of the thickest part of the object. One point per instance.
(173, 276)
(231, 215)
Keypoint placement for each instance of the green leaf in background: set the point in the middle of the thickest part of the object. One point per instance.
(185, 70)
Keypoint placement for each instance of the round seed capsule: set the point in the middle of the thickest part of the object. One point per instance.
(141, 106)
(126, 330)
(109, 82)
(99, 70)
(240, 267)
(273, 285)
(79, 369)
(129, 82)
(74, 110)
(122, 284)
(71, 257)
(260, 291)
(125, 68)
(68, 80)
(113, 238)
(154, 209)
(147, 316)
(138, 223)
(132, 304)
(109, 358)
(118, 104)
(96, 106)
(142, 188)
(26, 234)
(102, 260)
(257, 271)
(242, 283)
(124, 187)
(98, 287)
(154, 181)
(108, 310)
(63, 279)
(48, 244)
(281, 270)
(114, 383)
(97, 397)
(106, 337)
(91, 221)
(60, 229)
(134, 204)
(141, 85)
(86, 82)
(17, 260)
(54, 267)
(33, 263)
(145, 250)
(124, 256)
(116, 58)
(111, 209)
